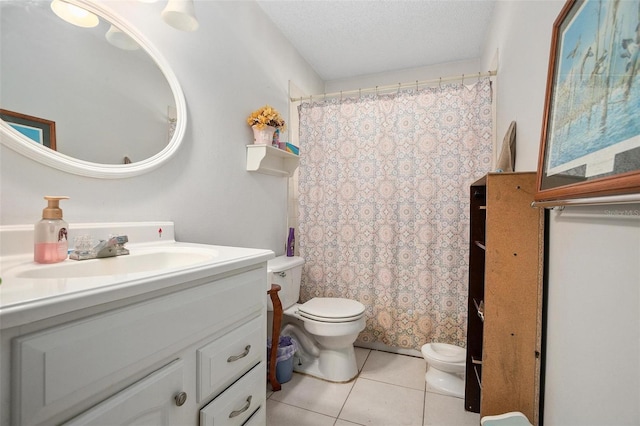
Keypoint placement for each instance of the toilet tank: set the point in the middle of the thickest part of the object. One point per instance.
(286, 272)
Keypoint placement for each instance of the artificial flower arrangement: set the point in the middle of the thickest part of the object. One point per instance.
(266, 116)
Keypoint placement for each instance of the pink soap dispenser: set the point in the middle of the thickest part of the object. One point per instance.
(50, 233)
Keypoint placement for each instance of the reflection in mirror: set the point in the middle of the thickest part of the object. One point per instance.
(109, 98)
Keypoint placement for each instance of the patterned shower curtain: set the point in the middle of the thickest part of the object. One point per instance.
(384, 206)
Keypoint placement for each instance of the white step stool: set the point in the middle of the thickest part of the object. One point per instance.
(514, 418)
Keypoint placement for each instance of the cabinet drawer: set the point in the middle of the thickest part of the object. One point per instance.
(221, 362)
(259, 418)
(57, 369)
(235, 405)
(149, 401)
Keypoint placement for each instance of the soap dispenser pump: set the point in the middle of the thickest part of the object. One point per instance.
(50, 233)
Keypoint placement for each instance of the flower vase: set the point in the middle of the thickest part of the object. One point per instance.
(263, 136)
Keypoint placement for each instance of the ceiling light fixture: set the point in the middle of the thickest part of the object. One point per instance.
(180, 14)
(120, 39)
(74, 14)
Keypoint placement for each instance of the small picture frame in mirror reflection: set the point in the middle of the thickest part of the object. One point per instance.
(37, 129)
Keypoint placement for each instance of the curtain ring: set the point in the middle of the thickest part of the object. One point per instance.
(478, 76)
(416, 85)
(399, 84)
(440, 83)
(376, 90)
(463, 79)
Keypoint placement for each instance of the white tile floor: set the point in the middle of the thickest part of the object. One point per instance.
(390, 391)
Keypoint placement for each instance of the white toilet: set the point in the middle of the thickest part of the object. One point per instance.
(325, 328)
(445, 368)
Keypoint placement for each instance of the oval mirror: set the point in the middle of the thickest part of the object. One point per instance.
(99, 102)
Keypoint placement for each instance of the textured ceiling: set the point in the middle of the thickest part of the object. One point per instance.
(349, 38)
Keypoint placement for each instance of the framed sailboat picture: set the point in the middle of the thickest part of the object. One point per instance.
(591, 126)
(37, 129)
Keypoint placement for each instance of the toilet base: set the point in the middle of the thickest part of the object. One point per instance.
(333, 365)
(449, 384)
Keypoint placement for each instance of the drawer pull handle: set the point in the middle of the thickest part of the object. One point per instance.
(242, 355)
(181, 398)
(242, 410)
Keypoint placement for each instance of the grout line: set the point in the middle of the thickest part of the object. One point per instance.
(345, 400)
(424, 406)
(365, 361)
(347, 421)
(305, 409)
(392, 384)
(354, 384)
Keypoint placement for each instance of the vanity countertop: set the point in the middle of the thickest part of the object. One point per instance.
(30, 292)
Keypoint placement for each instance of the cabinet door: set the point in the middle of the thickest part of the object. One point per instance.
(151, 401)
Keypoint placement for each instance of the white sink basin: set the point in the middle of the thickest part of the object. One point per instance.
(30, 291)
(144, 260)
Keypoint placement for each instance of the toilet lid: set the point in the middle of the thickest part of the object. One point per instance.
(332, 308)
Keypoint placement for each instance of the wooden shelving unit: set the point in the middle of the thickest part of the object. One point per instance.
(271, 161)
(505, 296)
(477, 249)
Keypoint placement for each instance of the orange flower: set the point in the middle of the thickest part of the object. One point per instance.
(266, 116)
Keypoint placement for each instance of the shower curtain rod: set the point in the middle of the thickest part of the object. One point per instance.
(398, 86)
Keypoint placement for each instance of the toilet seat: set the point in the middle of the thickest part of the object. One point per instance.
(325, 319)
(331, 309)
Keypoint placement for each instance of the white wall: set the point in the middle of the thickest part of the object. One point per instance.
(236, 62)
(593, 356)
(520, 38)
(593, 353)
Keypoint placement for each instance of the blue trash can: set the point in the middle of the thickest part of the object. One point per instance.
(284, 360)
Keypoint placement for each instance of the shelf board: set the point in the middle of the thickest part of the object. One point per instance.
(479, 309)
(271, 161)
(478, 374)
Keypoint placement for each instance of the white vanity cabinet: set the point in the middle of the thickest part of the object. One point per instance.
(190, 354)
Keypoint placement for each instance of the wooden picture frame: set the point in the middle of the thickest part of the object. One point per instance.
(37, 129)
(590, 144)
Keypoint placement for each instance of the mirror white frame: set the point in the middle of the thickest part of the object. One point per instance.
(23, 145)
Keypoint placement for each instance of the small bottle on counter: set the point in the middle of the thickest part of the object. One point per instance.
(291, 242)
(50, 233)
